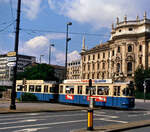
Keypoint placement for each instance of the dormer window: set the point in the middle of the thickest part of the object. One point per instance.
(130, 29)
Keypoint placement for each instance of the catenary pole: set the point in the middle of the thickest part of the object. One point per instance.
(13, 93)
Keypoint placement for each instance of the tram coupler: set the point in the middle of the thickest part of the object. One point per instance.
(90, 120)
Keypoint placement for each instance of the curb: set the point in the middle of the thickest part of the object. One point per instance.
(15, 112)
(118, 127)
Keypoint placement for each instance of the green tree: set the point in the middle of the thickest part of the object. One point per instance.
(38, 72)
(139, 76)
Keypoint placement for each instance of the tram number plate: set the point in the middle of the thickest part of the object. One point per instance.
(70, 97)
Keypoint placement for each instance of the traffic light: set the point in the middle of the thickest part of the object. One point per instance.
(90, 82)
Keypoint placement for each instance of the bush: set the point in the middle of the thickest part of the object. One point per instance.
(2, 88)
(28, 97)
(140, 95)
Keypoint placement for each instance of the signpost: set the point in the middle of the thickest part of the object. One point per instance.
(11, 64)
(11, 53)
(9, 59)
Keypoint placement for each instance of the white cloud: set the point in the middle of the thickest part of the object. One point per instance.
(39, 45)
(74, 55)
(37, 42)
(56, 36)
(98, 13)
(31, 8)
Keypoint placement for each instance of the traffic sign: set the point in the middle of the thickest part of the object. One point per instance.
(11, 53)
(11, 59)
(11, 64)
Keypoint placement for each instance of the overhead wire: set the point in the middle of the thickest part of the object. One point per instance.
(1, 30)
(12, 14)
(76, 33)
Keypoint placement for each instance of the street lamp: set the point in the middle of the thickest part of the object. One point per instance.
(51, 45)
(41, 58)
(67, 39)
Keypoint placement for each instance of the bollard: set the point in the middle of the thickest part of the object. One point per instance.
(90, 120)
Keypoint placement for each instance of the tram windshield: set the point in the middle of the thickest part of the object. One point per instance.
(129, 90)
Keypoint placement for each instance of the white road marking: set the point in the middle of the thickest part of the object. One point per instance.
(105, 119)
(45, 116)
(106, 116)
(33, 114)
(31, 129)
(44, 124)
(30, 120)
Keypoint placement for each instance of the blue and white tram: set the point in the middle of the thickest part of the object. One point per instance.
(43, 90)
(105, 93)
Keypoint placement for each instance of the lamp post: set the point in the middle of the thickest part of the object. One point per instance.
(51, 45)
(67, 40)
(41, 58)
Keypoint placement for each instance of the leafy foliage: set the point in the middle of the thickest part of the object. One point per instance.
(139, 76)
(2, 88)
(28, 97)
(38, 72)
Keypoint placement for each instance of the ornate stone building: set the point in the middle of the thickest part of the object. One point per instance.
(118, 58)
(74, 69)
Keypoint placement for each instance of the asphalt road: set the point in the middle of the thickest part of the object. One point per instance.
(66, 121)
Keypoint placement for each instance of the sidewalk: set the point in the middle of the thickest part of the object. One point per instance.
(37, 107)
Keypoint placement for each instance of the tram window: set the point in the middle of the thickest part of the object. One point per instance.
(52, 89)
(61, 89)
(45, 88)
(90, 91)
(70, 89)
(19, 88)
(102, 90)
(116, 90)
(31, 88)
(38, 88)
(79, 89)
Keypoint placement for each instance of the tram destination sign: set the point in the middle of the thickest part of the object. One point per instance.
(87, 81)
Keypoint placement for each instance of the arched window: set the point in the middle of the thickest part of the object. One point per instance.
(140, 60)
(113, 53)
(97, 75)
(103, 75)
(129, 67)
(93, 76)
(118, 49)
(98, 66)
(118, 67)
(129, 48)
(140, 47)
(103, 65)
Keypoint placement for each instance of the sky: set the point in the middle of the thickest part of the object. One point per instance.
(43, 22)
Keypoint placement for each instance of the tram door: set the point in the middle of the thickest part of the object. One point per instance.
(116, 96)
